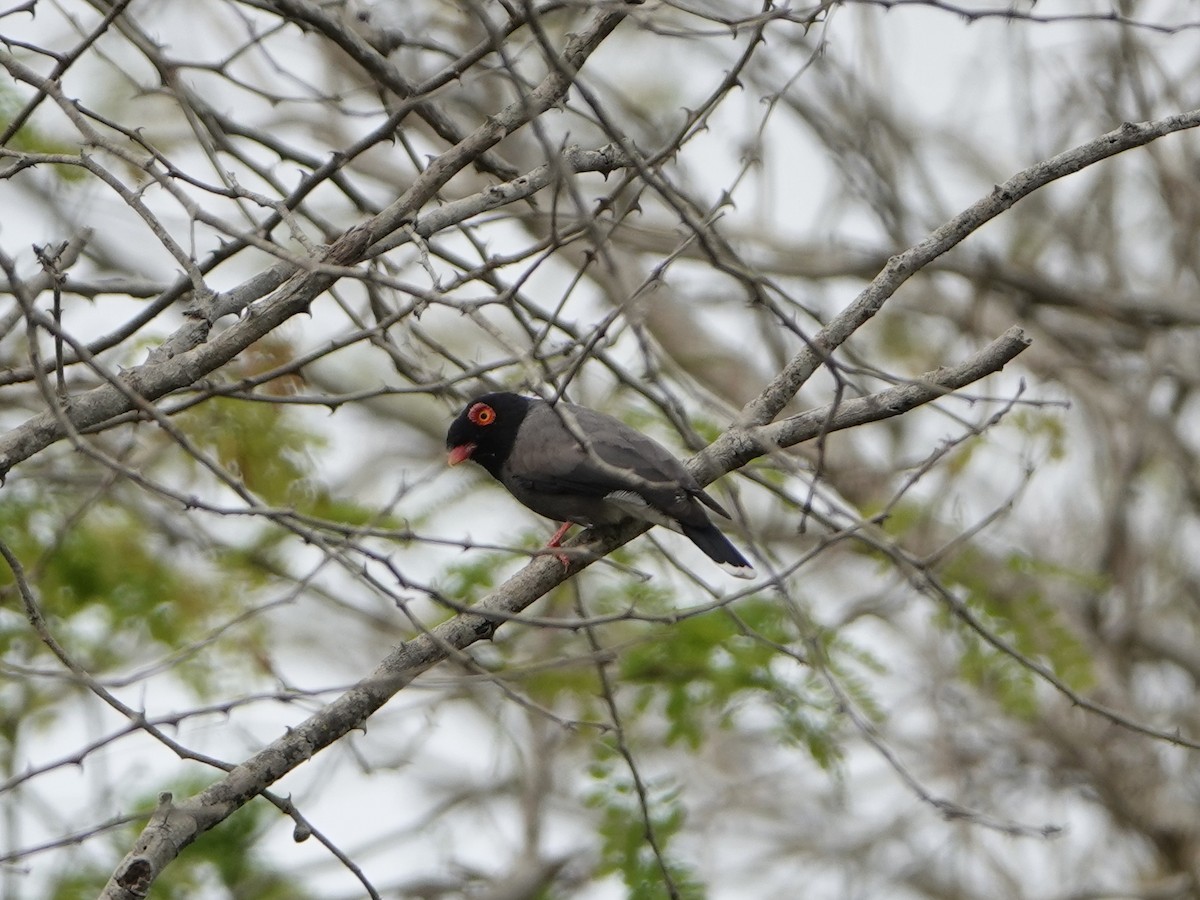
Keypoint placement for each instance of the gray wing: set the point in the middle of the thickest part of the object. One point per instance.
(548, 458)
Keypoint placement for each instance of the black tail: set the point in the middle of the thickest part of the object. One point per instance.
(717, 548)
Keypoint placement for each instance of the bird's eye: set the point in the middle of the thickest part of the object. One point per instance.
(482, 414)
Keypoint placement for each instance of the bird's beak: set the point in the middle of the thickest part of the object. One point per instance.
(460, 453)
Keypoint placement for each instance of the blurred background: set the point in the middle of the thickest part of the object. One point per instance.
(969, 668)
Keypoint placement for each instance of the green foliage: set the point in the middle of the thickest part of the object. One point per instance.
(810, 715)
(708, 429)
(902, 518)
(474, 574)
(700, 672)
(1012, 686)
(29, 139)
(260, 443)
(1012, 596)
(625, 829)
(116, 593)
(123, 579)
(695, 668)
(102, 561)
(677, 686)
(1050, 426)
(1016, 609)
(576, 685)
(324, 505)
(118, 589)
(267, 448)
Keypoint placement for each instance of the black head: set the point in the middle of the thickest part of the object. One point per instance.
(485, 431)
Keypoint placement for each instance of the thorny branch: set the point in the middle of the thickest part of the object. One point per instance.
(158, 845)
(429, 142)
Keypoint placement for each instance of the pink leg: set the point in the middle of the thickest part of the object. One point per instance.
(557, 540)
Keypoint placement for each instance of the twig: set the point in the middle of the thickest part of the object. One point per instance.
(158, 846)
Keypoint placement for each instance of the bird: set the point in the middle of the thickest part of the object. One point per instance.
(579, 466)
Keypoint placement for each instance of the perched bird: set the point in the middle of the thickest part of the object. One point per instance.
(576, 465)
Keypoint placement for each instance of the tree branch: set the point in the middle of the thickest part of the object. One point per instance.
(188, 355)
(175, 825)
(903, 266)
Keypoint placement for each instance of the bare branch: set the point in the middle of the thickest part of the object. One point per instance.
(178, 825)
(904, 265)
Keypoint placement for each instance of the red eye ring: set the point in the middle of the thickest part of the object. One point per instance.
(481, 414)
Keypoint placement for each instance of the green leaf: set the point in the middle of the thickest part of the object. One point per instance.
(261, 443)
(1010, 597)
(625, 830)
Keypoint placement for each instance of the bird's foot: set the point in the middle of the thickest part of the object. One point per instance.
(558, 535)
(557, 541)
